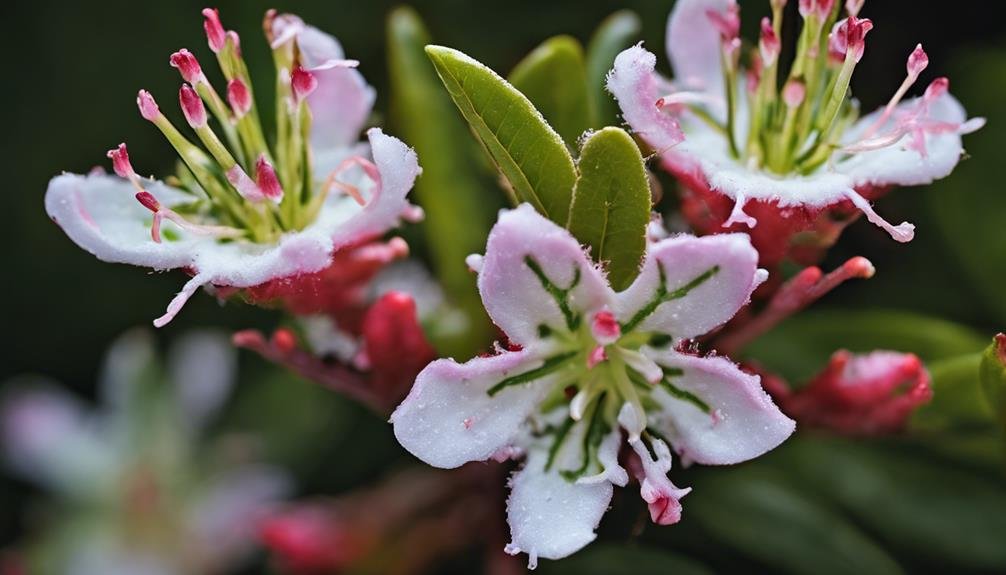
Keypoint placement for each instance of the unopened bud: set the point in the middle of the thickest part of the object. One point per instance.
(265, 177)
(917, 61)
(793, 93)
(727, 22)
(192, 106)
(769, 44)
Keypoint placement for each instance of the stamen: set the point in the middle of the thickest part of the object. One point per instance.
(769, 44)
(596, 356)
(120, 163)
(239, 98)
(148, 107)
(188, 67)
(794, 93)
(368, 167)
(918, 60)
(303, 83)
(161, 213)
(192, 107)
(854, 6)
(267, 181)
(604, 327)
(178, 302)
(215, 35)
(903, 232)
(738, 215)
(728, 22)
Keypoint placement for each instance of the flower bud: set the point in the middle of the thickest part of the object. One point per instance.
(215, 35)
(239, 97)
(303, 83)
(265, 177)
(120, 162)
(793, 93)
(917, 62)
(769, 44)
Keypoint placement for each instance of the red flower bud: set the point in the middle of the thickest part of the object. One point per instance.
(215, 35)
(187, 66)
(192, 106)
(148, 107)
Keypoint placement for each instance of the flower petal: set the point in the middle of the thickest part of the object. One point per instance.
(513, 293)
(342, 102)
(693, 44)
(720, 270)
(742, 422)
(635, 85)
(898, 165)
(449, 418)
(549, 516)
(203, 365)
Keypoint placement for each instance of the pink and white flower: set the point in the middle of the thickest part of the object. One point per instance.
(801, 150)
(590, 368)
(241, 213)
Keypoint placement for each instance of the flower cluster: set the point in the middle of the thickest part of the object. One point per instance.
(789, 153)
(241, 213)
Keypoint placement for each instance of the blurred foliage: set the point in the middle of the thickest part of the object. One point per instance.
(936, 502)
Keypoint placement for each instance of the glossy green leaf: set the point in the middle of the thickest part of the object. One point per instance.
(615, 34)
(756, 511)
(609, 559)
(451, 190)
(528, 152)
(611, 203)
(553, 77)
(970, 212)
(800, 346)
(936, 512)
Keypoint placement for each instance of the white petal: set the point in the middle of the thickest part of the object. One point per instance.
(512, 293)
(607, 455)
(342, 102)
(743, 422)
(693, 44)
(899, 166)
(634, 84)
(549, 516)
(449, 418)
(683, 259)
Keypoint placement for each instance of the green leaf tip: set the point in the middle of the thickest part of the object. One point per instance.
(611, 203)
(526, 150)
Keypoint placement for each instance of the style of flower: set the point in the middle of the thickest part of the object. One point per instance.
(785, 149)
(587, 363)
(131, 490)
(240, 213)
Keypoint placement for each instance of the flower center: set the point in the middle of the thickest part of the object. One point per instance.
(597, 367)
(796, 123)
(241, 186)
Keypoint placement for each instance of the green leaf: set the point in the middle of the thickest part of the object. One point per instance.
(553, 77)
(957, 397)
(528, 152)
(967, 205)
(610, 559)
(800, 346)
(755, 510)
(615, 34)
(611, 203)
(451, 189)
(940, 513)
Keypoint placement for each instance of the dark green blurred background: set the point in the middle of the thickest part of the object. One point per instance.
(72, 70)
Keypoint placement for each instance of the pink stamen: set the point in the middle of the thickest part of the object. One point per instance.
(769, 44)
(903, 232)
(265, 177)
(215, 34)
(738, 215)
(239, 97)
(303, 83)
(605, 328)
(245, 186)
(192, 107)
(793, 93)
(148, 201)
(187, 66)
(597, 355)
(727, 23)
(235, 42)
(917, 62)
(368, 167)
(854, 6)
(178, 302)
(148, 107)
(120, 162)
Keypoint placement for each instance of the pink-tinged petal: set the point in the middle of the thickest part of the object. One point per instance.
(634, 83)
(203, 367)
(549, 516)
(741, 423)
(342, 101)
(719, 273)
(694, 44)
(449, 418)
(898, 164)
(513, 293)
